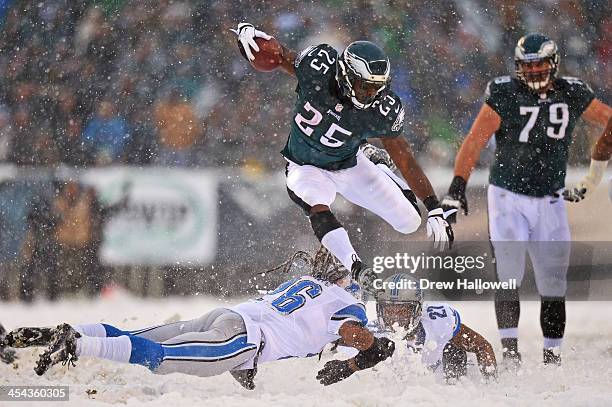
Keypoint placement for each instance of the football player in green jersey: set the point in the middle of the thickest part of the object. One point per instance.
(532, 116)
(342, 100)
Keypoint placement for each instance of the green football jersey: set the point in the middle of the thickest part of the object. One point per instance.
(533, 140)
(326, 129)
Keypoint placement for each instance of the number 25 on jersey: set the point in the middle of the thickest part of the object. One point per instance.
(307, 126)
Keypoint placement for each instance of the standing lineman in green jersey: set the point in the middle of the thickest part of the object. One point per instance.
(342, 100)
(532, 116)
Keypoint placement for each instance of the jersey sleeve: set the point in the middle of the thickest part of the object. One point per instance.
(579, 92)
(354, 312)
(390, 112)
(441, 323)
(496, 93)
(315, 64)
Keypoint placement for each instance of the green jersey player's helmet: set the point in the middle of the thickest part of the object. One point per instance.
(401, 302)
(362, 72)
(536, 59)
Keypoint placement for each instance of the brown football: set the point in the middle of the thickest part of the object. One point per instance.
(269, 56)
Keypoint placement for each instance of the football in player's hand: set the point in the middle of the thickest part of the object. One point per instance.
(269, 56)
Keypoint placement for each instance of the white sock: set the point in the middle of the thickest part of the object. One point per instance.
(550, 343)
(338, 243)
(117, 349)
(508, 333)
(96, 330)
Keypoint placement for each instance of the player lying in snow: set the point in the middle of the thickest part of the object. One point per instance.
(434, 329)
(297, 319)
(6, 355)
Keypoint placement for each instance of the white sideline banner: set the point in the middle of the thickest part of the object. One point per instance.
(170, 216)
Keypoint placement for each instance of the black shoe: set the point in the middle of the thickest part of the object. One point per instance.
(245, 377)
(551, 358)
(29, 336)
(511, 359)
(62, 349)
(365, 276)
(6, 355)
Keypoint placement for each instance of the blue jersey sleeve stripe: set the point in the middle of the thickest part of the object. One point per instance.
(355, 311)
(205, 351)
(457, 323)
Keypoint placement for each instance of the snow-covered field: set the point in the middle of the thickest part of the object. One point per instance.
(584, 379)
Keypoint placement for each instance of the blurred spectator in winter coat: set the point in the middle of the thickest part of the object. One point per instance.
(7, 134)
(67, 125)
(106, 135)
(39, 252)
(78, 233)
(179, 129)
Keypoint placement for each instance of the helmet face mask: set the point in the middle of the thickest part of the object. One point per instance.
(406, 315)
(400, 303)
(362, 72)
(536, 60)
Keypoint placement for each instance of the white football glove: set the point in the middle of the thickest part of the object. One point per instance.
(246, 37)
(588, 183)
(440, 228)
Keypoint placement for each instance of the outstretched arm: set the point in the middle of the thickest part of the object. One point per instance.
(471, 341)
(486, 124)
(597, 113)
(372, 350)
(288, 60)
(247, 33)
(402, 156)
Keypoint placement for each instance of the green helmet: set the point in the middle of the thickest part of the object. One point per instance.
(400, 291)
(530, 53)
(362, 72)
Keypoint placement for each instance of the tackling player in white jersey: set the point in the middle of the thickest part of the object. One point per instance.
(297, 319)
(433, 329)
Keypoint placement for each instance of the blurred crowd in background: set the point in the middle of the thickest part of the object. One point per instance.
(161, 82)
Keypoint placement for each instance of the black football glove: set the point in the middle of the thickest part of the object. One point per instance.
(365, 277)
(455, 199)
(334, 371)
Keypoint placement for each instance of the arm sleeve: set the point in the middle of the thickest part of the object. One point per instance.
(493, 95)
(355, 312)
(438, 332)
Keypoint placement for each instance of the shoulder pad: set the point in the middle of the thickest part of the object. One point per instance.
(302, 54)
(575, 82)
(317, 56)
(497, 83)
(390, 106)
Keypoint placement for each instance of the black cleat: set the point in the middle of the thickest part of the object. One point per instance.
(245, 377)
(551, 358)
(62, 349)
(365, 277)
(29, 336)
(511, 359)
(6, 355)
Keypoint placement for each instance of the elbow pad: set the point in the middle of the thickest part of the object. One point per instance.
(381, 349)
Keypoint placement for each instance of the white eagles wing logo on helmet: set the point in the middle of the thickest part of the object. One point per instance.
(399, 121)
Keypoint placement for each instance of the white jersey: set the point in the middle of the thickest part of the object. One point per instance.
(439, 324)
(299, 318)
